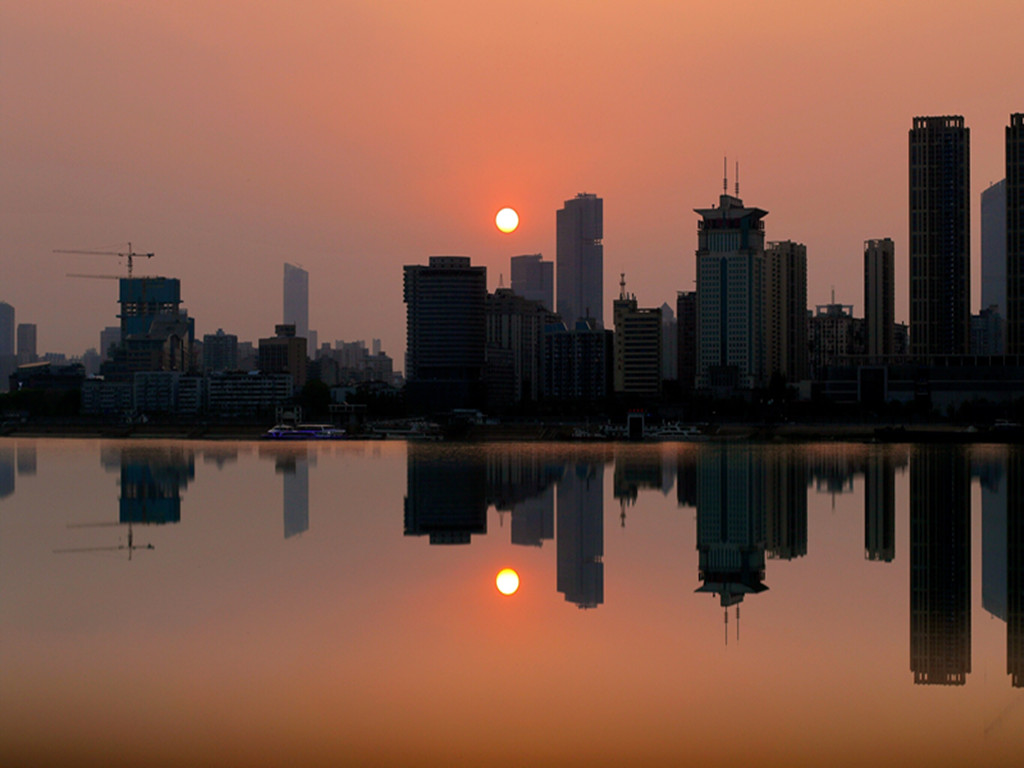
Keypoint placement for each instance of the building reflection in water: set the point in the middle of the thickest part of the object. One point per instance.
(633, 472)
(940, 565)
(446, 496)
(6, 470)
(152, 480)
(880, 507)
(580, 542)
(991, 472)
(731, 524)
(785, 501)
(1015, 567)
(522, 482)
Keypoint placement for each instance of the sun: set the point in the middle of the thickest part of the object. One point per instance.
(507, 220)
(507, 581)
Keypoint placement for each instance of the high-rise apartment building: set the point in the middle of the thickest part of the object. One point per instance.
(879, 296)
(730, 295)
(786, 315)
(296, 299)
(1015, 234)
(940, 243)
(580, 259)
(686, 337)
(534, 279)
(284, 352)
(26, 343)
(220, 351)
(445, 332)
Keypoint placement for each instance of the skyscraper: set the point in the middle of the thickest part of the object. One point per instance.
(26, 342)
(940, 243)
(636, 347)
(1015, 234)
(993, 247)
(730, 295)
(534, 279)
(6, 329)
(786, 302)
(296, 299)
(580, 259)
(445, 332)
(879, 296)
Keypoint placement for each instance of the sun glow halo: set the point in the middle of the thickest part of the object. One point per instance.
(507, 220)
(507, 581)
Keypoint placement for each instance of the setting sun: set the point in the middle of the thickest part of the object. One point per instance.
(507, 220)
(507, 581)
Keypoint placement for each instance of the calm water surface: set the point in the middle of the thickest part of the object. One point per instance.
(248, 604)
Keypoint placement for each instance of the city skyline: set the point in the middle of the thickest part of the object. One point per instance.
(259, 136)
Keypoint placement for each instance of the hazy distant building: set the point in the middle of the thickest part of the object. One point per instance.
(786, 310)
(284, 352)
(669, 343)
(636, 347)
(993, 247)
(446, 332)
(730, 295)
(879, 296)
(1014, 312)
(109, 337)
(988, 332)
(220, 351)
(580, 259)
(534, 279)
(940, 243)
(940, 565)
(27, 343)
(296, 300)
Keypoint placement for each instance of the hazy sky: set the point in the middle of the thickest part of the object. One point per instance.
(355, 137)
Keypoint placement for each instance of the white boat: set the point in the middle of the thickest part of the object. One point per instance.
(678, 432)
(304, 432)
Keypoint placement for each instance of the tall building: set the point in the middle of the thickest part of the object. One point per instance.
(26, 343)
(534, 279)
(577, 362)
(580, 259)
(686, 336)
(1015, 234)
(993, 247)
(296, 299)
(879, 296)
(636, 347)
(786, 315)
(446, 332)
(579, 538)
(730, 295)
(515, 334)
(940, 242)
(6, 329)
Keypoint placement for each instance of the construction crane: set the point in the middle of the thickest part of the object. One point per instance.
(130, 256)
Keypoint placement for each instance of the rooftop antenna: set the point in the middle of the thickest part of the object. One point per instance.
(501, 280)
(737, 178)
(725, 174)
(622, 285)
(833, 294)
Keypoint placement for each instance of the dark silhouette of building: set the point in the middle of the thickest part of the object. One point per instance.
(445, 333)
(152, 480)
(580, 259)
(940, 565)
(1015, 234)
(1015, 567)
(577, 362)
(636, 347)
(522, 483)
(686, 337)
(785, 500)
(580, 534)
(786, 310)
(879, 296)
(220, 351)
(940, 244)
(515, 335)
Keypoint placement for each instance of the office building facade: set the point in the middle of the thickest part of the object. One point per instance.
(993, 247)
(730, 295)
(940, 243)
(636, 347)
(580, 259)
(786, 310)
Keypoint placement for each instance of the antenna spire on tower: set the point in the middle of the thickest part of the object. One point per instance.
(725, 175)
(737, 178)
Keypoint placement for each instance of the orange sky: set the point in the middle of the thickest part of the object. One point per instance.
(353, 138)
